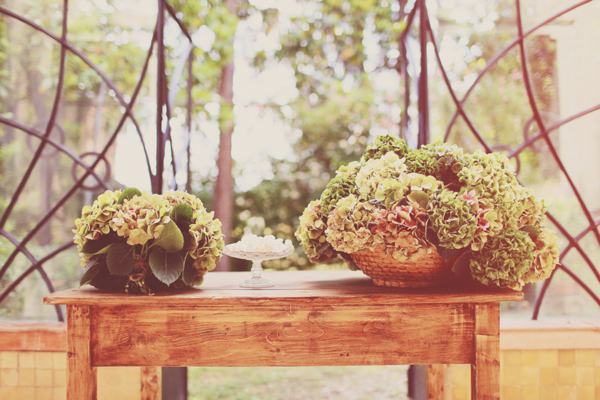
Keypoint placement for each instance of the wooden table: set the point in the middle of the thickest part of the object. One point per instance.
(307, 318)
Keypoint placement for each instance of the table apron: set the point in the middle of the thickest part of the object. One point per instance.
(283, 333)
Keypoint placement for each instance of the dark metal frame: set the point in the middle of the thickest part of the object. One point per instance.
(165, 101)
(426, 35)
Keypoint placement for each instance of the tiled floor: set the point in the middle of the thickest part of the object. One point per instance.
(43, 376)
(537, 375)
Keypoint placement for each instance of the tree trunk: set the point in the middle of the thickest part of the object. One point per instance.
(223, 203)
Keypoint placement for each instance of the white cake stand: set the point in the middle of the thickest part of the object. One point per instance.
(257, 257)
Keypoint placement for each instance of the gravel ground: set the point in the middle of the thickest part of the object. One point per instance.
(298, 383)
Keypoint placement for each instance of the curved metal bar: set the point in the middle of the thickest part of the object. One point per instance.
(574, 242)
(538, 302)
(53, 143)
(36, 265)
(177, 74)
(451, 90)
(181, 25)
(498, 56)
(110, 84)
(541, 125)
(409, 21)
(87, 173)
(49, 125)
(541, 295)
(551, 128)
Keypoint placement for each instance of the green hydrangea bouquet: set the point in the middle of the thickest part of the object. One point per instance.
(142, 243)
(467, 209)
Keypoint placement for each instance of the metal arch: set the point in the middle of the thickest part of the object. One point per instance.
(35, 265)
(502, 53)
(49, 126)
(543, 133)
(90, 169)
(65, 44)
(77, 160)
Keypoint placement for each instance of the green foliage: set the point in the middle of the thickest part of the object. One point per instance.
(128, 194)
(167, 267)
(121, 259)
(171, 238)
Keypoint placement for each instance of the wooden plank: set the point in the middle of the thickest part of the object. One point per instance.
(485, 370)
(151, 383)
(283, 333)
(289, 284)
(435, 381)
(81, 375)
(33, 336)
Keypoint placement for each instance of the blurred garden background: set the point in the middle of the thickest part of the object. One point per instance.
(260, 101)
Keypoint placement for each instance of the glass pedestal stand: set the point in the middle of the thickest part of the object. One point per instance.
(257, 257)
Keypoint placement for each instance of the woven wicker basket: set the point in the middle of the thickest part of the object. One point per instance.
(429, 270)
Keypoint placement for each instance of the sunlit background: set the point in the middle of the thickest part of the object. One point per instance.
(313, 84)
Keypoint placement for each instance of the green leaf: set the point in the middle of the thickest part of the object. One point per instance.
(189, 272)
(128, 194)
(448, 254)
(167, 267)
(91, 270)
(93, 246)
(171, 238)
(461, 265)
(105, 250)
(182, 211)
(120, 259)
(104, 280)
(532, 231)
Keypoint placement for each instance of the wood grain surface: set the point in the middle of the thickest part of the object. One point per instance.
(81, 375)
(151, 383)
(435, 381)
(224, 288)
(280, 332)
(485, 370)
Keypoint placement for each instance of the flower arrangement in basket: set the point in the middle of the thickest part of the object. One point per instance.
(408, 218)
(143, 243)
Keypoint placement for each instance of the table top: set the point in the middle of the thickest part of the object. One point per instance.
(333, 285)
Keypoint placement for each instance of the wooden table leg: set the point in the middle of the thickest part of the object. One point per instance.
(81, 376)
(435, 381)
(485, 370)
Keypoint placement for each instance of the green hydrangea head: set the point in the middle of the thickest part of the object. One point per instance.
(451, 218)
(207, 247)
(377, 170)
(545, 257)
(400, 231)
(311, 234)
(383, 145)
(492, 178)
(437, 159)
(342, 185)
(530, 210)
(504, 260)
(348, 225)
(94, 221)
(406, 188)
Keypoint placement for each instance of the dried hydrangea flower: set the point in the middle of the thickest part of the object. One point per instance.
(383, 145)
(545, 257)
(504, 260)
(348, 225)
(452, 219)
(342, 185)
(400, 232)
(311, 234)
(375, 171)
